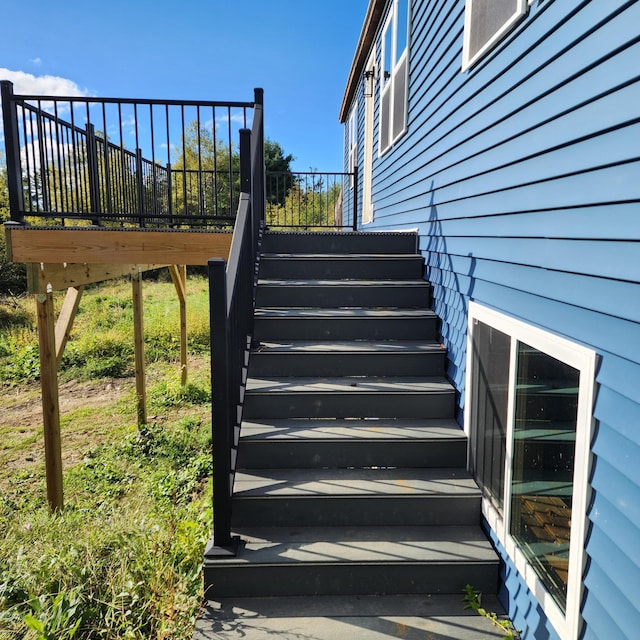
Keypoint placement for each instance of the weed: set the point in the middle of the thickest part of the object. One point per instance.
(473, 600)
(170, 393)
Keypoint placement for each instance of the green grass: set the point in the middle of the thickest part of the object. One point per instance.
(101, 343)
(123, 559)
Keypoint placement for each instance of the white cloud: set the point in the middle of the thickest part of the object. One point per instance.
(237, 118)
(36, 61)
(28, 84)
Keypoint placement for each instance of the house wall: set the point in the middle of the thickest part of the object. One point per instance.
(522, 176)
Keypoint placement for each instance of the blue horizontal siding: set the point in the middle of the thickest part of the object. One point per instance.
(616, 402)
(618, 489)
(611, 531)
(591, 292)
(611, 221)
(603, 622)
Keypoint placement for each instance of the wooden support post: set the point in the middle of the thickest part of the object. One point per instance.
(179, 277)
(66, 318)
(50, 399)
(138, 335)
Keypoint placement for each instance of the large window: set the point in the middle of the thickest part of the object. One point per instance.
(393, 78)
(485, 23)
(529, 421)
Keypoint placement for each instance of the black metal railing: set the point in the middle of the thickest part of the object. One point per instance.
(232, 297)
(122, 162)
(312, 200)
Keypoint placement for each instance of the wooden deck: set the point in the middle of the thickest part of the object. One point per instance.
(75, 256)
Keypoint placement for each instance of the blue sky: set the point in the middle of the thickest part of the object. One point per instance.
(298, 51)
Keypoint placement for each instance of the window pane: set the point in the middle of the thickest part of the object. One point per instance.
(488, 17)
(399, 100)
(387, 53)
(385, 114)
(543, 459)
(402, 25)
(490, 391)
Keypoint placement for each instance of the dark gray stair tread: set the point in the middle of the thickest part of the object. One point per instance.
(349, 346)
(374, 429)
(340, 242)
(341, 256)
(447, 483)
(400, 385)
(380, 545)
(359, 617)
(391, 284)
(341, 312)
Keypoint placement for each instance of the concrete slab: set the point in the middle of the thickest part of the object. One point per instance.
(346, 618)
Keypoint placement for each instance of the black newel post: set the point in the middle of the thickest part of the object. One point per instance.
(222, 414)
(140, 186)
(94, 179)
(12, 148)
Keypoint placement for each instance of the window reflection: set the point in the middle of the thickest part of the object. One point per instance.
(546, 406)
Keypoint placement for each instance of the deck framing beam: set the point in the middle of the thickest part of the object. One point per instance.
(80, 245)
(179, 277)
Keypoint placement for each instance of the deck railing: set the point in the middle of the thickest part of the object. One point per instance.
(122, 162)
(232, 297)
(312, 200)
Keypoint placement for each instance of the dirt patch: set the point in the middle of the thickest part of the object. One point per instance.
(22, 446)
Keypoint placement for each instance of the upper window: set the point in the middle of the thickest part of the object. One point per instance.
(485, 23)
(529, 421)
(393, 78)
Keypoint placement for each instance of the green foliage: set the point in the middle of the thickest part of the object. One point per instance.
(473, 600)
(206, 175)
(55, 617)
(124, 558)
(101, 343)
(22, 363)
(307, 205)
(170, 393)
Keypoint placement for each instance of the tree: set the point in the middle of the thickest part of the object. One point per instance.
(206, 176)
(280, 178)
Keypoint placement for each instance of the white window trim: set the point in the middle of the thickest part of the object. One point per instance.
(583, 359)
(386, 85)
(468, 61)
(352, 142)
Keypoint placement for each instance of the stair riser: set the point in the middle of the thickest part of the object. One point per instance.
(374, 364)
(373, 295)
(365, 510)
(350, 579)
(351, 453)
(339, 243)
(337, 269)
(348, 405)
(344, 328)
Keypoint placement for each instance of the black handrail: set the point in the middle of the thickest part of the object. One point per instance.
(231, 298)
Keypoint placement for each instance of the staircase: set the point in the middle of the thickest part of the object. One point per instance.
(352, 478)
